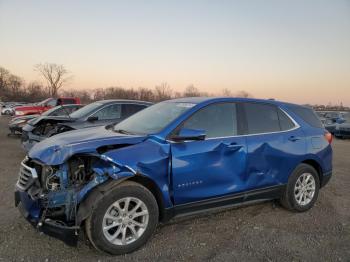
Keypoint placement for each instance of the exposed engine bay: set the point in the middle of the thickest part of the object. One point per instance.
(57, 187)
(49, 128)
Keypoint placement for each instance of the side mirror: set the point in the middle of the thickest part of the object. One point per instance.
(92, 118)
(189, 134)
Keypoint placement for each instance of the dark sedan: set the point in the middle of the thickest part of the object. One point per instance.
(17, 123)
(343, 130)
(100, 113)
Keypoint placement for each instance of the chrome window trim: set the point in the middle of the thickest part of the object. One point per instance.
(296, 126)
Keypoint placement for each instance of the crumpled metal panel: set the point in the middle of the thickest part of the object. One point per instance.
(149, 159)
(57, 149)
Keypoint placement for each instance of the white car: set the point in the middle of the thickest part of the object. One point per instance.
(9, 109)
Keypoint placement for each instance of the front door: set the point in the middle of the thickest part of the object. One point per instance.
(212, 167)
(108, 115)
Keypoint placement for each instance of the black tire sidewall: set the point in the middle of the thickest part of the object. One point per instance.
(96, 233)
(301, 169)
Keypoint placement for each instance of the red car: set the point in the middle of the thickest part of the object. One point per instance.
(45, 105)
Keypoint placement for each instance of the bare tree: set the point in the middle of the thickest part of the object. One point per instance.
(243, 94)
(191, 91)
(145, 94)
(15, 84)
(226, 92)
(163, 91)
(4, 76)
(99, 94)
(35, 92)
(55, 76)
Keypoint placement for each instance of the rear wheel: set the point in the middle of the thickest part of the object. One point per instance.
(302, 189)
(123, 220)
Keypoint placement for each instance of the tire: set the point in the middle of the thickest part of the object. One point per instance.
(108, 205)
(292, 198)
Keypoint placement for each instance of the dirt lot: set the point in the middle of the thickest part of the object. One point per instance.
(261, 232)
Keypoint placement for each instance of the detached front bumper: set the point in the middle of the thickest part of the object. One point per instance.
(32, 206)
(32, 212)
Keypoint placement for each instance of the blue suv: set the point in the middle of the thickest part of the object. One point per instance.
(177, 157)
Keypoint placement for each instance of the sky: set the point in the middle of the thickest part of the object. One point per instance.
(296, 51)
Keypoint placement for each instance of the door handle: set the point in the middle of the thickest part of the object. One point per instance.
(294, 138)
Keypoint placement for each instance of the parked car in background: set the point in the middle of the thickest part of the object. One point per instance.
(343, 130)
(45, 105)
(321, 114)
(329, 125)
(100, 113)
(9, 109)
(336, 117)
(176, 157)
(16, 124)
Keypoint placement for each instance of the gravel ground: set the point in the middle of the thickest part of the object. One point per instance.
(264, 232)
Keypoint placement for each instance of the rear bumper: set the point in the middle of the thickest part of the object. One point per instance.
(32, 212)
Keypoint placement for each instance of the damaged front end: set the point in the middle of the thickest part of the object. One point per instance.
(49, 196)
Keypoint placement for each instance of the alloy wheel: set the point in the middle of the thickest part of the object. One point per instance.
(304, 189)
(125, 221)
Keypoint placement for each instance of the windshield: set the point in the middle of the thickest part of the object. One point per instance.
(48, 112)
(42, 103)
(152, 119)
(86, 110)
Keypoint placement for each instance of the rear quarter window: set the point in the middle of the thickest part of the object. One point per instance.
(285, 122)
(308, 115)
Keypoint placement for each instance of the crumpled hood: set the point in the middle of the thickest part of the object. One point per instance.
(57, 149)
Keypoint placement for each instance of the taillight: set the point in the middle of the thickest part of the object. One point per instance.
(328, 136)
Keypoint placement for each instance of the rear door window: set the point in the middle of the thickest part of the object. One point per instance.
(261, 118)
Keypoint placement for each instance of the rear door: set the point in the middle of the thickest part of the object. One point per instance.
(275, 144)
(215, 166)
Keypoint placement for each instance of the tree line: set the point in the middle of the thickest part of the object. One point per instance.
(14, 88)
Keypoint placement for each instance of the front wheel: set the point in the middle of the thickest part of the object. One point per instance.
(123, 220)
(302, 189)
